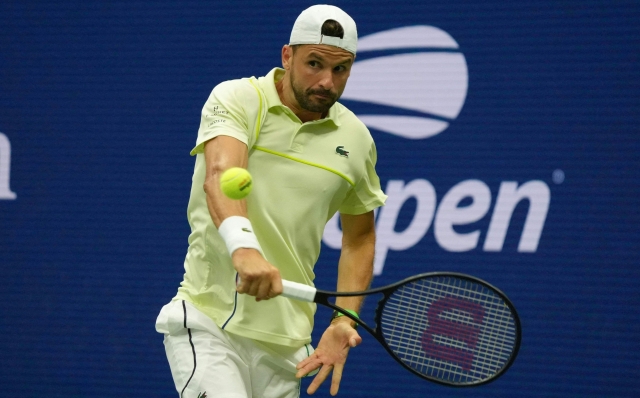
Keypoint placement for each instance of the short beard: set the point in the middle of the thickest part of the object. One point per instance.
(304, 98)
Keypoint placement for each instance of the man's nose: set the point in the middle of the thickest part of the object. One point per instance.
(326, 79)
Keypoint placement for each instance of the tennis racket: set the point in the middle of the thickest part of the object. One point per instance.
(449, 328)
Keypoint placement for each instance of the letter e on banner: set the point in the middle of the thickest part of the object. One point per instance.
(450, 214)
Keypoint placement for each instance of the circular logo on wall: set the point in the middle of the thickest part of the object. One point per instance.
(416, 73)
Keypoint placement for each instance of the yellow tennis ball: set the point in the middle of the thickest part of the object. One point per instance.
(236, 183)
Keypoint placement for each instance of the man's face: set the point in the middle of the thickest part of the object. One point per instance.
(318, 75)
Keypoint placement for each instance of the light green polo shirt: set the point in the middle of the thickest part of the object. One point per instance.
(303, 173)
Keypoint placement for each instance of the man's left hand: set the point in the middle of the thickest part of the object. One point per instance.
(330, 355)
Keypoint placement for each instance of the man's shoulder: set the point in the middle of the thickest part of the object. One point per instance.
(349, 120)
(237, 88)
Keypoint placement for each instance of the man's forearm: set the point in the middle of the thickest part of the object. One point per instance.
(355, 268)
(222, 153)
(354, 275)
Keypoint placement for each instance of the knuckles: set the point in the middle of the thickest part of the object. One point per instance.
(258, 281)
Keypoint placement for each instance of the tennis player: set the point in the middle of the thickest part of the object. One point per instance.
(226, 332)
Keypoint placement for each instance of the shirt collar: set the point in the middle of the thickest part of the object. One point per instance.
(273, 99)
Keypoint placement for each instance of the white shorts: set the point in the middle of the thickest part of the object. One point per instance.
(207, 362)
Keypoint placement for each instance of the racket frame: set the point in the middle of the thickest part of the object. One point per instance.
(322, 297)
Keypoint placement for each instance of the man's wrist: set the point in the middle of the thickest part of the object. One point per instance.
(237, 232)
(337, 314)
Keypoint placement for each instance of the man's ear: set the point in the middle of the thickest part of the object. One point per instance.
(287, 56)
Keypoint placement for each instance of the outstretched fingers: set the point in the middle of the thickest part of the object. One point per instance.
(335, 380)
(322, 375)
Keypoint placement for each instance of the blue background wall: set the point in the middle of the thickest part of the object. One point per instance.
(100, 105)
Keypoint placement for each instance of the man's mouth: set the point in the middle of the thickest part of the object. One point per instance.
(324, 96)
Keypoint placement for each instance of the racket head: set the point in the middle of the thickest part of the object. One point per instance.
(449, 328)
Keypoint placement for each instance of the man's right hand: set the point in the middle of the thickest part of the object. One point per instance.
(257, 276)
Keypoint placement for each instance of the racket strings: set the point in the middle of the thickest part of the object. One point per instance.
(450, 329)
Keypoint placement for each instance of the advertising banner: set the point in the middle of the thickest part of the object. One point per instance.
(507, 142)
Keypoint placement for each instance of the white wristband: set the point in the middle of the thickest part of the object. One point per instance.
(237, 232)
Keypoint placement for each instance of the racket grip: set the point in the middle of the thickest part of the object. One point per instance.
(298, 291)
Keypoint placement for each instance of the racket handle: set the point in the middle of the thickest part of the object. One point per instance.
(298, 291)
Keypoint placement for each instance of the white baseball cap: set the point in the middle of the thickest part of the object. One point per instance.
(308, 25)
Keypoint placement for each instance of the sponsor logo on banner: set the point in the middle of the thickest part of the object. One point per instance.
(430, 89)
(5, 169)
(430, 85)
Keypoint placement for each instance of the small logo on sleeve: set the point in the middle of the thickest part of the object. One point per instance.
(342, 152)
(202, 395)
(247, 230)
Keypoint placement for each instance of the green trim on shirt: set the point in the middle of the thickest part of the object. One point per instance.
(259, 120)
(349, 180)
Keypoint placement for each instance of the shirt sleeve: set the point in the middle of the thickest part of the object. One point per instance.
(225, 113)
(366, 195)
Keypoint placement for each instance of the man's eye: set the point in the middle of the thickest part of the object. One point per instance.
(314, 64)
(340, 68)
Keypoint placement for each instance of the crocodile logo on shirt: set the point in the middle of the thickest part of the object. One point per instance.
(202, 395)
(247, 230)
(341, 151)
